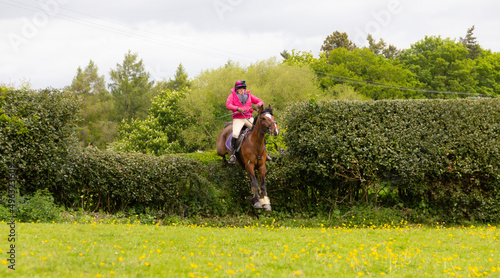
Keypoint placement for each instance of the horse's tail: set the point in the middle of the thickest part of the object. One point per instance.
(228, 124)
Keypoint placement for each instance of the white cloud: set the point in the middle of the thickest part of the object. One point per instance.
(196, 34)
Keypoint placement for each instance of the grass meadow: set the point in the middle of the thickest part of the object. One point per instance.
(131, 249)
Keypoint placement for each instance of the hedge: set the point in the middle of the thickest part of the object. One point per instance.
(441, 157)
(35, 135)
(112, 181)
(437, 158)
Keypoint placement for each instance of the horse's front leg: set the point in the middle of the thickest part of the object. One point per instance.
(263, 188)
(253, 183)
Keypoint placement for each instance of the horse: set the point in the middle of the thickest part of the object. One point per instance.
(252, 154)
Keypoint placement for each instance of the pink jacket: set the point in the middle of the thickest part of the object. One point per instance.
(233, 103)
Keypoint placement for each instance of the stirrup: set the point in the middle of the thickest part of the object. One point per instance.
(232, 159)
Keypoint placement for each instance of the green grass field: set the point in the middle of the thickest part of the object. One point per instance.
(116, 249)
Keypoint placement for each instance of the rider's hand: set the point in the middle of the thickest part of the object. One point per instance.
(240, 110)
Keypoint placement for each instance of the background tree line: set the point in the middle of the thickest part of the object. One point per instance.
(136, 114)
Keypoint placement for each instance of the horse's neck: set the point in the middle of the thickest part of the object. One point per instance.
(256, 135)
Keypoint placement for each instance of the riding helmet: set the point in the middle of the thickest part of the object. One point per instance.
(240, 84)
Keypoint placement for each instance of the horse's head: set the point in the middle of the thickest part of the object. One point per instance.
(265, 121)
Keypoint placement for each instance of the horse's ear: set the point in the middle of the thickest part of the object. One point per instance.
(260, 108)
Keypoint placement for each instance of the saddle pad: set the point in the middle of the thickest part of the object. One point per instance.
(239, 142)
(228, 142)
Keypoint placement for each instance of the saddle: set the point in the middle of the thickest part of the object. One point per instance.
(244, 132)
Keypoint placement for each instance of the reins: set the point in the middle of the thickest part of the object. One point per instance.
(258, 156)
(254, 126)
(268, 129)
(248, 141)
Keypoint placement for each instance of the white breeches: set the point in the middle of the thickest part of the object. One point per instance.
(238, 125)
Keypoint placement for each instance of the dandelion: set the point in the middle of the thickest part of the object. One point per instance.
(193, 265)
(230, 271)
(4, 262)
(147, 264)
(120, 259)
(298, 272)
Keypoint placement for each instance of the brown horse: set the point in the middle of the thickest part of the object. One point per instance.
(252, 154)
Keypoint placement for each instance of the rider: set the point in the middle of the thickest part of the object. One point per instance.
(240, 102)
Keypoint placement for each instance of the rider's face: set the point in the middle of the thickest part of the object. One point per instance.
(240, 90)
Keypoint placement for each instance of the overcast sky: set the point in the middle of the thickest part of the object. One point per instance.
(45, 41)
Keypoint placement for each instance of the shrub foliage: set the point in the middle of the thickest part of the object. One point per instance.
(35, 135)
(438, 159)
(113, 181)
(441, 157)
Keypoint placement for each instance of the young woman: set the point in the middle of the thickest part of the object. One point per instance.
(240, 102)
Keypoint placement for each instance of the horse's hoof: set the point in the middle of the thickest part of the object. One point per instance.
(267, 207)
(257, 205)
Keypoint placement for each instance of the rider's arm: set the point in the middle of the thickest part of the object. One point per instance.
(255, 100)
(230, 104)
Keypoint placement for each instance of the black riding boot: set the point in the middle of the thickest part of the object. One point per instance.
(232, 157)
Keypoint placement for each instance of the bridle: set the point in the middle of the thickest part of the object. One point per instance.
(262, 131)
(268, 128)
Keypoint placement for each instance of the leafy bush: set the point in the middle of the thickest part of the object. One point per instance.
(444, 154)
(433, 159)
(39, 207)
(205, 157)
(35, 134)
(113, 181)
(4, 213)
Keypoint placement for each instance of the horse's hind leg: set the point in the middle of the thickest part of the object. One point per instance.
(263, 189)
(253, 183)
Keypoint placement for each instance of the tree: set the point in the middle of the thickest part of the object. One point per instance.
(180, 81)
(285, 54)
(88, 81)
(471, 44)
(381, 48)
(276, 83)
(391, 52)
(442, 65)
(95, 126)
(487, 73)
(159, 133)
(376, 47)
(131, 88)
(337, 40)
(369, 74)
